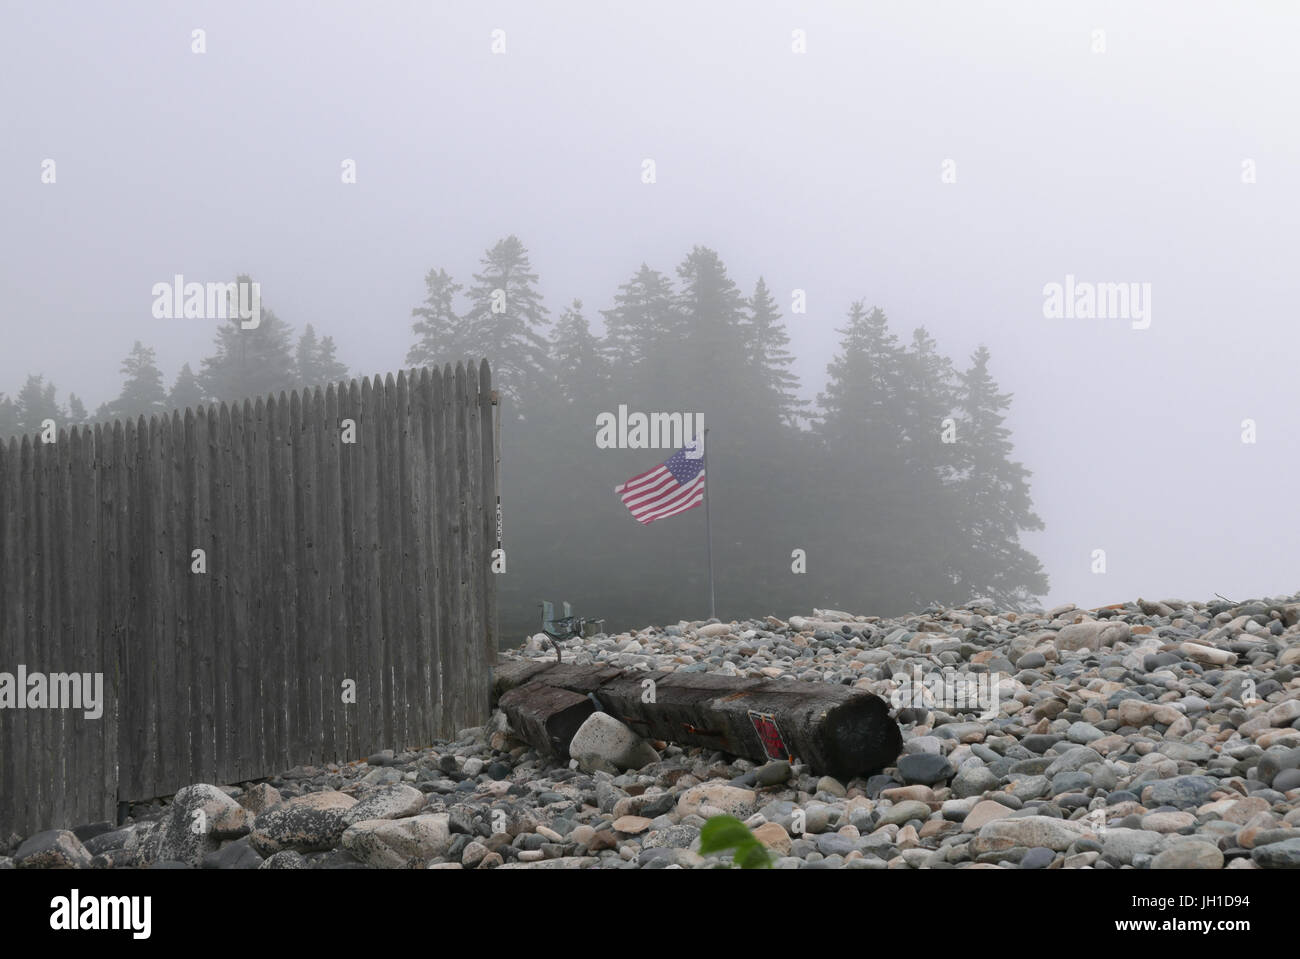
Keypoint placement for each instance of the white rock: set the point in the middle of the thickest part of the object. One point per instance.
(1092, 636)
(604, 736)
(398, 843)
(389, 802)
(1137, 713)
(1189, 855)
(730, 800)
(1124, 843)
(1284, 713)
(1032, 831)
(1208, 654)
(835, 615)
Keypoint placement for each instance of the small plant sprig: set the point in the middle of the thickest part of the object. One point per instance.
(721, 833)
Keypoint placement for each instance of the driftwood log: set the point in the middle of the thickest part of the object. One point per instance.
(836, 730)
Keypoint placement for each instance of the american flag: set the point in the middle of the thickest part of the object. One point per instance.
(672, 487)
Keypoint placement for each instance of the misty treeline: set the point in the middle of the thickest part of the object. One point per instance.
(243, 363)
(895, 489)
(888, 517)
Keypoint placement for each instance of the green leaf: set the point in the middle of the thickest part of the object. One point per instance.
(727, 832)
(754, 856)
(722, 833)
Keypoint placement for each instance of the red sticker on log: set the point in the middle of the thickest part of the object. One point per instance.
(769, 735)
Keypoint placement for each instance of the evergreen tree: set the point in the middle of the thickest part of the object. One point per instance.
(928, 500)
(8, 417)
(315, 361)
(328, 366)
(713, 341)
(638, 329)
(994, 495)
(860, 406)
(772, 360)
(36, 403)
(186, 393)
(249, 362)
(507, 322)
(440, 333)
(862, 473)
(582, 370)
(142, 392)
(929, 398)
(77, 415)
(304, 356)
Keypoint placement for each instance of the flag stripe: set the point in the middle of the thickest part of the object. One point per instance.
(666, 490)
(694, 501)
(635, 480)
(652, 481)
(643, 494)
(668, 507)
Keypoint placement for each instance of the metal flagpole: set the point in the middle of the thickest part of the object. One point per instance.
(707, 525)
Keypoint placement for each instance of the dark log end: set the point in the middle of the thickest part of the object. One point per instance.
(860, 738)
(546, 716)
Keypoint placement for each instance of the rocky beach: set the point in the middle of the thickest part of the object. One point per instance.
(1145, 735)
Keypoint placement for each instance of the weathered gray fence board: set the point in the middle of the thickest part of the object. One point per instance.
(38, 785)
(372, 652)
(389, 703)
(420, 505)
(394, 638)
(413, 635)
(212, 666)
(349, 494)
(166, 776)
(194, 681)
(41, 473)
(312, 597)
(487, 447)
(13, 554)
(296, 572)
(437, 576)
(278, 598)
(450, 554)
(440, 521)
(58, 532)
(389, 572)
(409, 636)
(358, 593)
(118, 606)
(477, 690)
(83, 655)
(260, 715)
(230, 539)
(133, 528)
(8, 593)
(325, 520)
(180, 721)
(98, 635)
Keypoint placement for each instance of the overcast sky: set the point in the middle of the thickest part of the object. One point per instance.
(821, 170)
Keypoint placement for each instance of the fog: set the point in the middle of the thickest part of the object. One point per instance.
(1169, 158)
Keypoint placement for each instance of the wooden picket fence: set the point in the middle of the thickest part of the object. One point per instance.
(348, 603)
